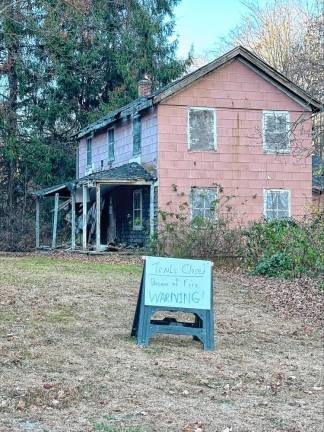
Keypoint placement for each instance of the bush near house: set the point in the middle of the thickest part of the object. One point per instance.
(286, 248)
(279, 248)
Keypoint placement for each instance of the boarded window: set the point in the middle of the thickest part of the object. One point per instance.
(111, 145)
(137, 126)
(276, 131)
(89, 151)
(276, 204)
(203, 203)
(202, 128)
(137, 210)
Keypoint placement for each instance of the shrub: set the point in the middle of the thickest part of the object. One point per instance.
(179, 236)
(286, 248)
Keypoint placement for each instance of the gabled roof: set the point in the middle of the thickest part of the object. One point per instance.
(240, 53)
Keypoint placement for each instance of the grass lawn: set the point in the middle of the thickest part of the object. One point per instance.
(68, 363)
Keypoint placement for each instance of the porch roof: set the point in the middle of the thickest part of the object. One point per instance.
(130, 172)
(63, 189)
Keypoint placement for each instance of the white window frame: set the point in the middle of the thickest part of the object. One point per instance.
(188, 128)
(264, 143)
(111, 159)
(265, 191)
(202, 188)
(140, 193)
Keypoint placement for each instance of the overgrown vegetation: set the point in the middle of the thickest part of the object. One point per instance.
(286, 248)
(283, 248)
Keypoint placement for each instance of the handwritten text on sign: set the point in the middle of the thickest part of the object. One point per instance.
(178, 283)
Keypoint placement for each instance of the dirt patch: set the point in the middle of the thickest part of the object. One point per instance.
(68, 363)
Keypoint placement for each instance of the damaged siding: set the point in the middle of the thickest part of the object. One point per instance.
(123, 140)
(239, 164)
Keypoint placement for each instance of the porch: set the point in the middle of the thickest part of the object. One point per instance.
(125, 197)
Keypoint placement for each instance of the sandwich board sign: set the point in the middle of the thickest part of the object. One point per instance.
(172, 284)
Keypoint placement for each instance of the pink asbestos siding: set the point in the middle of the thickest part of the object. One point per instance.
(123, 145)
(239, 164)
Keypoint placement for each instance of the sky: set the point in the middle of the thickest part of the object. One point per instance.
(203, 22)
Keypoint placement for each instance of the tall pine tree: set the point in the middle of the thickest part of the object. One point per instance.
(64, 63)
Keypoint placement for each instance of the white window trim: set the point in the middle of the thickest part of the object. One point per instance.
(109, 158)
(188, 127)
(264, 144)
(275, 190)
(216, 189)
(140, 192)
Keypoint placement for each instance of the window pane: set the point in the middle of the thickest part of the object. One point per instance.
(111, 144)
(272, 200)
(201, 129)
(137, 200)
(276, 131)
(197, 198)
(203, 202)
(136, 135)
(277, 204)
(89, 151)
(283, 201)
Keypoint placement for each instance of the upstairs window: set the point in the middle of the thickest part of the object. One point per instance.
(201, 129)
(276, 131)
(89, 151)
(111, 145)
(137, 210)
(137, 126)
(276, 204)
(203, 203)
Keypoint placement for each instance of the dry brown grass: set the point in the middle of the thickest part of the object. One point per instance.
(67, 362)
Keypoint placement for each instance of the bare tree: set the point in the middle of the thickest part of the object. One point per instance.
(289, 35)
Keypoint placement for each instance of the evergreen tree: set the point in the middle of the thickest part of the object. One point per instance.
(64, 63)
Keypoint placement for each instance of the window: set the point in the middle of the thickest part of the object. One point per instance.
(276, 131)
(111, 145)
(276, 204)
(201, 129)
(136, 135)
(137, 210)
(89, 151)
(203, 203)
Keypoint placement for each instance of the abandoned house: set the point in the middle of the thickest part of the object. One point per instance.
(234, 129)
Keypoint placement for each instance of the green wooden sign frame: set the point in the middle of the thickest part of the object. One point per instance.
(144, 327)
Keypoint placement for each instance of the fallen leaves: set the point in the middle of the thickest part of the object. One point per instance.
(197, 426)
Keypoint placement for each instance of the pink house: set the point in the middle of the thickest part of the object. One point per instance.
(232, 137)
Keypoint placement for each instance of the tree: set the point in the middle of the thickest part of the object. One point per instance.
(289, 35)
(64, 63)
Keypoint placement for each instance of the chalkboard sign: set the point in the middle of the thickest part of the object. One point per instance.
(177, 283)
(171, 284)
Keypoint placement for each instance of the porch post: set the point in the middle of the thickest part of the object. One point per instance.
(57, 196)
(73, 218)
(98, 215)
(37, 223)
(152, 209)
(84, 217)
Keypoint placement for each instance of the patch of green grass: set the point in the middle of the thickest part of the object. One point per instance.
(7, 317)
(47, 264)
(62, 314)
